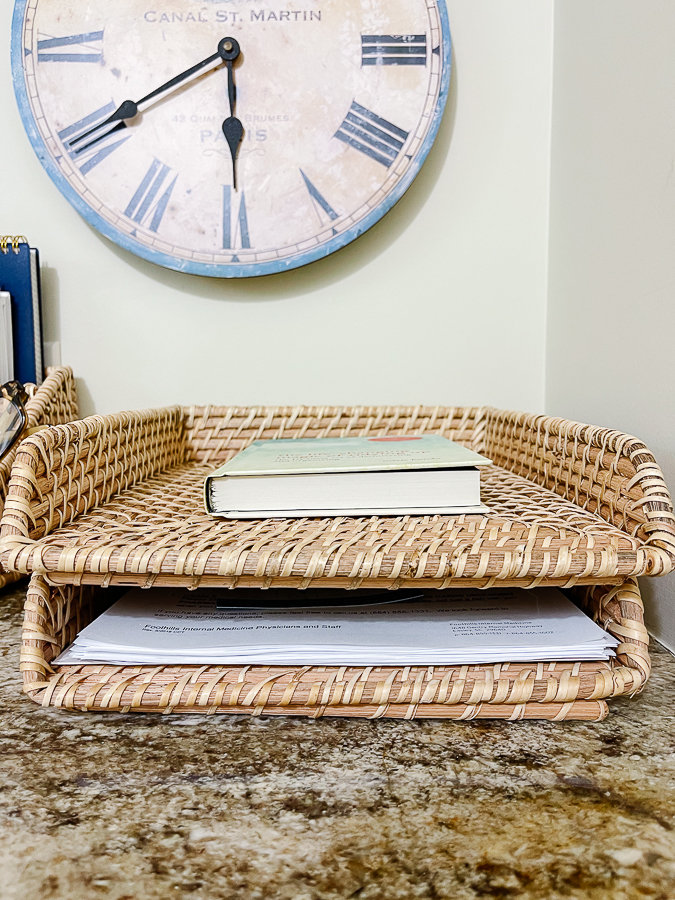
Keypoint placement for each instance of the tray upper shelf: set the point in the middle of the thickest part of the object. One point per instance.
(118, 499)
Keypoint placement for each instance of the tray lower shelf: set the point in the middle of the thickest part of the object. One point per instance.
(545, 690)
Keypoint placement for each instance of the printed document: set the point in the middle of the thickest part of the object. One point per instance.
(175, 626)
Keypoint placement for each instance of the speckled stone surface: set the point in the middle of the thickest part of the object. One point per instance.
(149, 806)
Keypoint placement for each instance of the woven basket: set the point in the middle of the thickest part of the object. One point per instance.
(55, 401)
(54, 616)
(117, 500)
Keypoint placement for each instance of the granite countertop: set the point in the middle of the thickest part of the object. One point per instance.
(130, 807)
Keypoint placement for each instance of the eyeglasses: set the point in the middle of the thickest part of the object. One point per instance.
(13, 416)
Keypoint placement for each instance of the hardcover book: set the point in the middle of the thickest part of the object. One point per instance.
(400, 475)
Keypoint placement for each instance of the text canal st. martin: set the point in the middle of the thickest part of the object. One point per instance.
(232, 17)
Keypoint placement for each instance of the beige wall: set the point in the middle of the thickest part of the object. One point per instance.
(445, 300)
(611, 313)
(442, 302)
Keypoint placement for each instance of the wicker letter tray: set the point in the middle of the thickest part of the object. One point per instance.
(116, 500)
(55, 401)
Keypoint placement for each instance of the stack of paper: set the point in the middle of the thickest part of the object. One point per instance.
(175, 626)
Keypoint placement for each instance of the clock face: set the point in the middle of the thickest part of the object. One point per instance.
(340, 101)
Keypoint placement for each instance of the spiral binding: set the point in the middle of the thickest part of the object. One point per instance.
(7, 241)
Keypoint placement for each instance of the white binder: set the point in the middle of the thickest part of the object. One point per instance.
(6, 343)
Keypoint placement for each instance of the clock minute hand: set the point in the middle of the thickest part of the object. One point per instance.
(131, 108)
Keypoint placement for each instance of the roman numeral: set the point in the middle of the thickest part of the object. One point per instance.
(88, 156)
(235, 226)
(393, 49)
(87, 48)
(372, 135)
(145, 206)
(318, 199)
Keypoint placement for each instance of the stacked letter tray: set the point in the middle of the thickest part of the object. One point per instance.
(117, 501)
(55, 401)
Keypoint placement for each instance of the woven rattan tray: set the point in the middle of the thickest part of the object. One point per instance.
(117, 500)
(557, 691)
(55, 401)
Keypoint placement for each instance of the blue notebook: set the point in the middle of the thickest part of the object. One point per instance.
(20, 276)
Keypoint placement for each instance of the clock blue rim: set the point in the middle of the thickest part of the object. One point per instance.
(214, 270)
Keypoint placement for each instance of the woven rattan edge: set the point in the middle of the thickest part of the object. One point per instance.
(589, 465)
(193, 582)
(54, 615)
(54, 402)
(216, 432)
(578, 710)
(123, 449)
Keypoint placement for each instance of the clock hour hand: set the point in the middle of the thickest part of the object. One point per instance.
(131, 108)
(232, 128)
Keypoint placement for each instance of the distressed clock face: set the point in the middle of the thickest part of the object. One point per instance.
(340, 102)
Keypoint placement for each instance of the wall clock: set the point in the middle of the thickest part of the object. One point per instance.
(126, 104)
